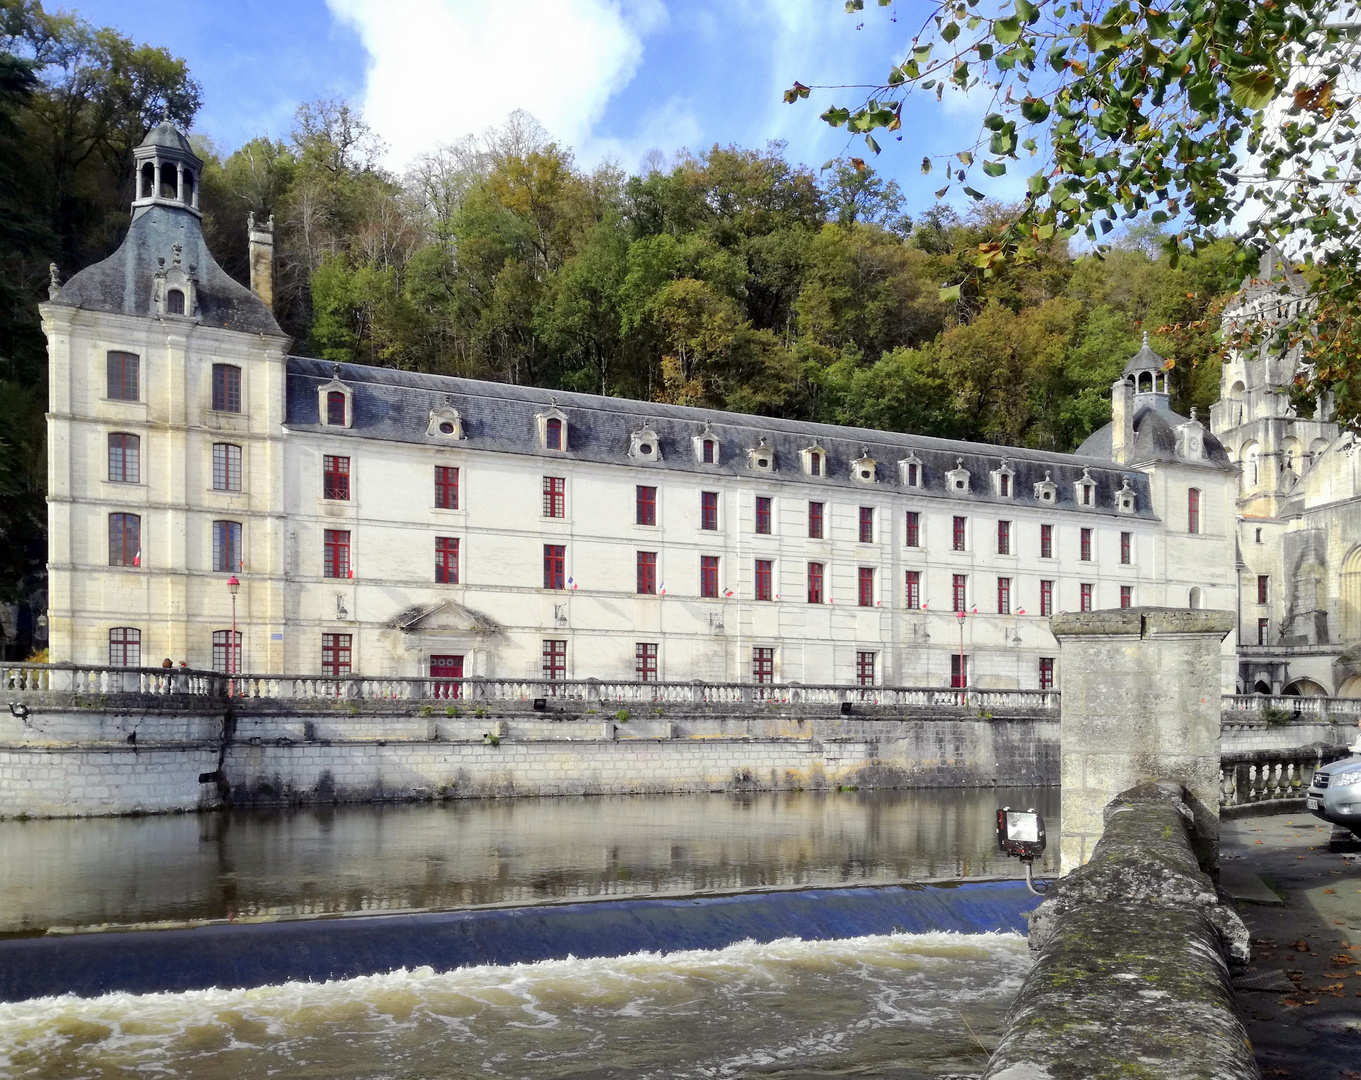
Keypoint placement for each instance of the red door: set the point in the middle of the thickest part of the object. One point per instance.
(447, 667)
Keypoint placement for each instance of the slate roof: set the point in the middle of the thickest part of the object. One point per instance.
(1155, 438)
(1144, 360)
(395, 406)
(167, 134)
(122, 283)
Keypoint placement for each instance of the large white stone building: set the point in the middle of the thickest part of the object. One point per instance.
(386, 522)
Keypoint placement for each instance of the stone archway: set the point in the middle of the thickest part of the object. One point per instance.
(1351, 688)
(1305, 688)
(1349, 593)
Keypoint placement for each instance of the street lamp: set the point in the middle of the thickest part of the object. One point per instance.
(233, 587)
(963, 680)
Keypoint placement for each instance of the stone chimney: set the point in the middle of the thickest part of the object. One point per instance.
(262, 259)
(1122, 420)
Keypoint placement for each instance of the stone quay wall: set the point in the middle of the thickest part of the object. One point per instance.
(74, 760)
(1132, 961)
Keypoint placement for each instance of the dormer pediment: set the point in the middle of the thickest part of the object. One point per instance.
(445, 423)
(1126, 501)
(551, 426)
(174, 289)
(864, 469)
(761, 458)
(1003, 480)
(1046, 491)
(911, 471)
(335, 402)
(706, 447)
(957, 479)
(644, 445)
(814, 459)
(1084, 489)
(1191, 439)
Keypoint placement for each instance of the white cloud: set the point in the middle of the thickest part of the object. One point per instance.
(440, 69)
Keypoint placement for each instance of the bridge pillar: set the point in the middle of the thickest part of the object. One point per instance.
(1140, 701)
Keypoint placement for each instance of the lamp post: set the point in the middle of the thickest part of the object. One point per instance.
(233, 587)
(963, 680)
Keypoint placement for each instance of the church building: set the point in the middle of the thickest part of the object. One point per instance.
(217, 501)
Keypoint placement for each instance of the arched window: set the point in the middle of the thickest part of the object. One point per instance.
(335, 409)
(815, 464)
(148, 181)
(553, 433)
(125, 647)
(1145, 382)
(1193, 510)
(125, 454)
(174, 302)
(1194, 600)
(1350, 595)
(187, 194)
(169, 182)
(226, 659)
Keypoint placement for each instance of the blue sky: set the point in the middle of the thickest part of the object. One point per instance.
(612, 78)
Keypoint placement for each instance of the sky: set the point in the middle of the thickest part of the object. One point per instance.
(613, 79)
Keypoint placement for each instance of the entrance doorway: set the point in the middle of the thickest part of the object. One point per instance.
(447, 667)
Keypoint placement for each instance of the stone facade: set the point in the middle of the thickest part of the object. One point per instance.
(395, 523)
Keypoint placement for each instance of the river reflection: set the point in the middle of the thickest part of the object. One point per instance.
(318, 860)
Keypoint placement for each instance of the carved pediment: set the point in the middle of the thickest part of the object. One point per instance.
(447, 616)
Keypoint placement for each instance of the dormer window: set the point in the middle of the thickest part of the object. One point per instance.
(709, 452)
(174, 302)
(1046, 491)
(910, 471)
(1085, 489)
(706, 447)
(552, 425)
(1191, 439)
(1125, 498)
(957, 479)
(761, 458)
(1003, 480)
(644, 445)
(333, 403)
(864, 469)
(814, 461)
(173, 286)
(445, 423)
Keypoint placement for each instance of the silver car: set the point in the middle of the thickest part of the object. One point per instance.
(1335, 794)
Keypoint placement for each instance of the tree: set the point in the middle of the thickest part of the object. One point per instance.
(1188, 113)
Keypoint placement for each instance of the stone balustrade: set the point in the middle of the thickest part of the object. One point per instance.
(1270, 781)
(1256, 706)
(19, 681)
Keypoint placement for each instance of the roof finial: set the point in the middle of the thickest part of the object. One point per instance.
(54, 281)
(1145, 339)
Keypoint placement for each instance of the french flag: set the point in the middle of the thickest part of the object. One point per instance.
(137, 559)
(572, 583)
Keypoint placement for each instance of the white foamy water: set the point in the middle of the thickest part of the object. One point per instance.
(901, 1005)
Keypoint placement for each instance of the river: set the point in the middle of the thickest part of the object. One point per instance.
(899, 1005)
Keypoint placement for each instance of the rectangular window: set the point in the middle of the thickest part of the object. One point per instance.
(708, 451)
(122, 372)
(959, 590)
(125, 647)
(647, 573)
(1004, 486)
(335, 409)
(125, 458)
(864, 669)
(335, 477)
(1046, 599)
(708, 575)
(914, 589)
(1004, 536)
(1086, 494)
(336, 554)
(226, 388)
(913, 475)
(1004, 596)
(708, 510)
(959, 536)
(125, 540)
(1126, 543)
(914, 529)
(959, 671)
(763, 665)
(1086, 596)
(226, 467)
(815, 572)
(1263, 588)
(1046, 673)
(1046, 541)
(645, 505)
(554, 566)
(446, 560)
(226, 547)
(1263, 628)
(867, 524)
(554, 496)
(335, 655)
(645, 661)
(1193, 510)
(554, 660)
(763, 514)
(866, 586)
(1085, 552)
(446, 487)
(765, 578)
(1126, 595)
(225, 659)
(815, 517)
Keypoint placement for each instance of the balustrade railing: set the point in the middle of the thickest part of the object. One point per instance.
(1270, 776)
(1258, 706)
(20, 680)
